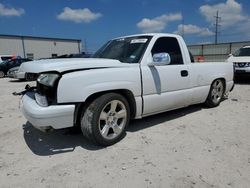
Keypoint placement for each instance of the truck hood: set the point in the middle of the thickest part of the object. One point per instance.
(244, 59)
(65, 65)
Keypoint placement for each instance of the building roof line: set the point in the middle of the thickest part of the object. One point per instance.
(39, 38)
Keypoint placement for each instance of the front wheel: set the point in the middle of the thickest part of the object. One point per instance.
(105, 120)
(215, 94)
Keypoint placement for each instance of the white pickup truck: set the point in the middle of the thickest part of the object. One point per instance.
(128, 78)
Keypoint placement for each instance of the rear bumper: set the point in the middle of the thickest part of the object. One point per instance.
(55, 116)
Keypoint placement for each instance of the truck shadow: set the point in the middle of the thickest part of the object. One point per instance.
(56, 142)
(147, 122)
(63, 141)
(16, 81)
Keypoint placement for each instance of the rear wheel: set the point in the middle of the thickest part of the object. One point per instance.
(105, 119)
(1, 74)
(215, 94)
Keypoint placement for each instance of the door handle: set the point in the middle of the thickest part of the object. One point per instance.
(184, 73)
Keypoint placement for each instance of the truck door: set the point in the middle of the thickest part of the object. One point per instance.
(166, 87)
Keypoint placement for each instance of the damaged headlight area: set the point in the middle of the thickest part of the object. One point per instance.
(47, 88)
(48, 79)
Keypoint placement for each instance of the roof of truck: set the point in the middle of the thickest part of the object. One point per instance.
(150, 34)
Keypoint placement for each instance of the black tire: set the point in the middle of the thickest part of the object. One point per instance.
(216, 94)
(1, 74)
(102, 125)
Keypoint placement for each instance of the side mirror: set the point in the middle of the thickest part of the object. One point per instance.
(160, 59)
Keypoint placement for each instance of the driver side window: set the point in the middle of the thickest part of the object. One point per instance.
(171, 46)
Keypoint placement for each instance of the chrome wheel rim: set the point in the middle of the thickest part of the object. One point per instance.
(113, 118)
(217, 91)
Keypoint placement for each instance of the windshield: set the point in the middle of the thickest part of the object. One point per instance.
(242, 52)
(126, 50)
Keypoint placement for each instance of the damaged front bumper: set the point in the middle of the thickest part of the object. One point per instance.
(53, 116)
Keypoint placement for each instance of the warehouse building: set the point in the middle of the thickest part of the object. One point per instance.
(215, 52)
(37, 47)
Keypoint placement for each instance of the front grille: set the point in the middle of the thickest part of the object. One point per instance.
(31, 76)
(242, 65)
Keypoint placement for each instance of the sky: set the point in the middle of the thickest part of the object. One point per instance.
(96, 21)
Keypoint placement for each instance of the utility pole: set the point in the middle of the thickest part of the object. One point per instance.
(217, 20)
(182, 28)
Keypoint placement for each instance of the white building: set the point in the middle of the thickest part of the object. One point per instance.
(37, 47)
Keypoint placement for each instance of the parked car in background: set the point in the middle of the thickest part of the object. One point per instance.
(7, 65)
(12, 72)
(5, 57)
(241, 61)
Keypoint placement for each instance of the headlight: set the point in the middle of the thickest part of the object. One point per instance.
(48, 79)
(235, 64)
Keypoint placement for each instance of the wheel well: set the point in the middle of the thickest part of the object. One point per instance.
(125, 93)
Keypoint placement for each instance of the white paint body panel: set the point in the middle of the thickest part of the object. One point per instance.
(155, 88)
(78, 86)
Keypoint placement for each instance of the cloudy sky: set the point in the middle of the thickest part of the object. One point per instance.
(95, 21)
